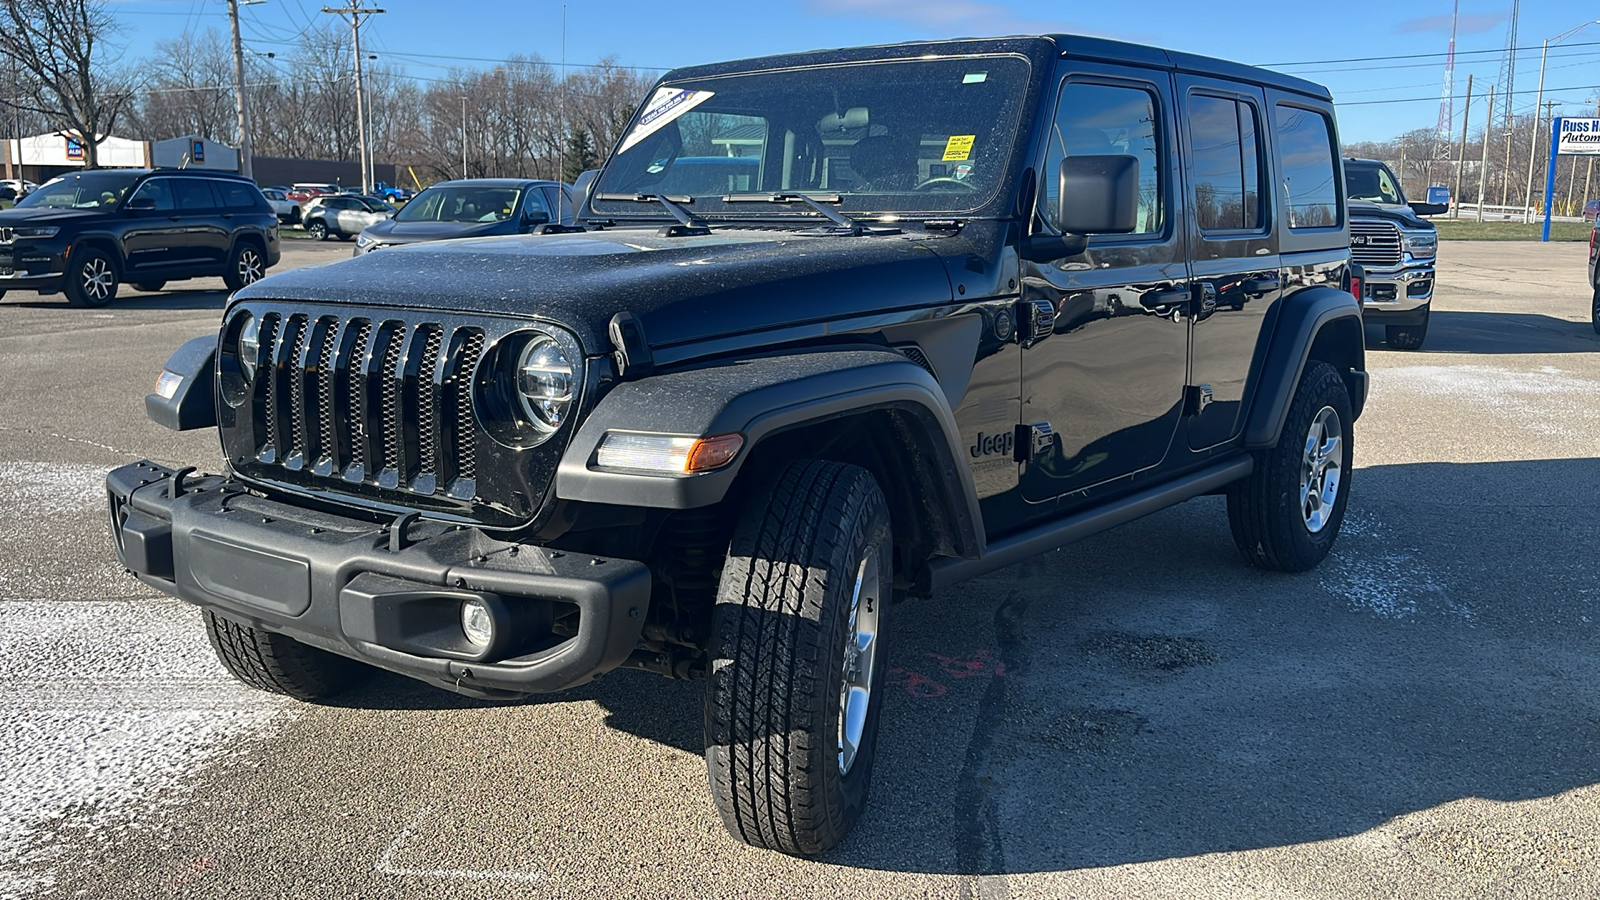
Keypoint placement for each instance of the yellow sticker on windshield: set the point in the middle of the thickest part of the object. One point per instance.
(959, 147)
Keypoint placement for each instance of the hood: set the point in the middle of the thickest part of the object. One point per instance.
(393, 231)
(682, 289)
(1366, 209)
(44, 214)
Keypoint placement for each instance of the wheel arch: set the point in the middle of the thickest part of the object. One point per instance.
(1321, 323)
(868, 407)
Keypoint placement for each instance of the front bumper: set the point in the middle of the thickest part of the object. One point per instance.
(387, 595)
(32, 264)
(1396, 292)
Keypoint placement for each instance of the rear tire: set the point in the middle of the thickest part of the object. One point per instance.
(279, 664)
(1408, 337)
(149, 287)
(91, 278)
(317, 231)
(1286, 515)
(246, 266)
(1594, 311)
(795, 684)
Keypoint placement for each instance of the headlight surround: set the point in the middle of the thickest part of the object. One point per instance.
(37, 231)
(1424, 244)
(545, 382)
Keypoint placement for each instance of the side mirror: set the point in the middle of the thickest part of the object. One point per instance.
(530, 219)
(1429, 209)
(140, 203)
(1098, 195)
(580, 189)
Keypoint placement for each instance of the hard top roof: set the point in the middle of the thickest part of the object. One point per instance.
(1075, 46)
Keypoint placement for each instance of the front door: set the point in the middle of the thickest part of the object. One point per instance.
(1109, 377)
(149, 240)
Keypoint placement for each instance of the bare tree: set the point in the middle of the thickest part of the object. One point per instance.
(63, 47)
(190, 90)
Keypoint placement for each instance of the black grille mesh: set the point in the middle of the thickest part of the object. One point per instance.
(326, 402)
(355, 368)
(390, 434)
(428, 403)
(297, 386)
(466, 438)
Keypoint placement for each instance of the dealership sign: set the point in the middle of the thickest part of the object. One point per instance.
(1578, 137)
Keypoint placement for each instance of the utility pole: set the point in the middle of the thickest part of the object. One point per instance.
(355, 12)
(464, 137)
(246, 165)
(561, 148)
(1483, 162)
(1533, 153)
(1466, 113)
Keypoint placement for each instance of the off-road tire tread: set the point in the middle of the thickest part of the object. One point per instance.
(277, 663)
(1264, 508)
(764, 735)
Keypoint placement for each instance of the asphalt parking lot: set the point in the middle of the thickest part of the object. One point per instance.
(1139, 715)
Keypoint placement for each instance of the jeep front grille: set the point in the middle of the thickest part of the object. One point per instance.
(1374, 243)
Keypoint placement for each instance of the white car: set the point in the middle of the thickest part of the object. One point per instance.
(342, 215)
(23, 187)
(287, 210)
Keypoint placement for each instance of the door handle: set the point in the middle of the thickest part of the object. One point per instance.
(175, 218)
(1164, 301)
(1260, 285)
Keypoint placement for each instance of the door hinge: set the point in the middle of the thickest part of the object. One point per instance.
(1033, 441)
(1196, 398)
(1036, 320)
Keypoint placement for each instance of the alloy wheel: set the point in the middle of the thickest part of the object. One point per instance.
(98, 279)
(1321, 469)
(860, 657)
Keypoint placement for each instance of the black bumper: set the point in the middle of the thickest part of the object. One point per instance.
(387, 595)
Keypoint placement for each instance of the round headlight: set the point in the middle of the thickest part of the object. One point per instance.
(250, 345)
(544, 382)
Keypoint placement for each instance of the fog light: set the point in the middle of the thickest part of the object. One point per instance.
(477, 623)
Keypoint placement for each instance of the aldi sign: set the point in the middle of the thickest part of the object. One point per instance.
(74, 148)
(1578, 137)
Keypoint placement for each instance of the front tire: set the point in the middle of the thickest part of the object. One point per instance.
(1286, 514)
(91, 279)
(795, 684)
(317, 231)
(282, 665)
(1408, 337)
(245, 266)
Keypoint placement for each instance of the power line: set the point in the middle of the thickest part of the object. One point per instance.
(1358, 59)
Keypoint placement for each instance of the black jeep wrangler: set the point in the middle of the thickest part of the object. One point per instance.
(966, 302)
(85, 233)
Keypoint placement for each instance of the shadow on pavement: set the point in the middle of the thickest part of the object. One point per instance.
(1145, 695)
(1495, 333)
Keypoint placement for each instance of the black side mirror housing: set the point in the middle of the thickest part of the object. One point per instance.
(1428, 209)
(1098, 195)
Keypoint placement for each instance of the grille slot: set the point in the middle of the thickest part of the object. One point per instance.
(1374, 243)
(389, 436)
(327, 438)
(268, 350)
(428, 404)
(466, 435)
(294, 371)
(356, 390)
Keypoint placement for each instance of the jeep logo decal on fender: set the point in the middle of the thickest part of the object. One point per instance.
(991, 444)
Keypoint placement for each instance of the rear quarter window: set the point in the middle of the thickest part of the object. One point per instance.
(1309, 179)
(238, 196)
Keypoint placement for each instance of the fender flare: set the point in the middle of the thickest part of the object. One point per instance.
(761, 398)
(1314, 318)
(193, 403)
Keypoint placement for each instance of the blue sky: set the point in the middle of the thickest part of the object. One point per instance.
(426, 36)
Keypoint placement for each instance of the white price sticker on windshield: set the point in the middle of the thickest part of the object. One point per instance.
(667, 104)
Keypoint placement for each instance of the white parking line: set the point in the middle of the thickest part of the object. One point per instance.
(387, 867)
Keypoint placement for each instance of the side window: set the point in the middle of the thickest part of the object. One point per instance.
(157, 189)
(1101, 120)
(194, 193)
(237, 196)
(1227, 168)
(1310, 181)
(534, 205)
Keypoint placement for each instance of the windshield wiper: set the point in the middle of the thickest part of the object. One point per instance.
(689, 224)
(846, 225)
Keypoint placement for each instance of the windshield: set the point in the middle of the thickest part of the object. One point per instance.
(87, 190)
(927, 135)
(1369, 182)
(461, 203)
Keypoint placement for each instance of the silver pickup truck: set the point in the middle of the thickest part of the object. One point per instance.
(1396, 247)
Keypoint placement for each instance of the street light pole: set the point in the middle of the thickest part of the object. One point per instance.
(1533, 141)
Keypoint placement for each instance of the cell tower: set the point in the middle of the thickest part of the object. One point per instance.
(1441, 139)
(1508, 84)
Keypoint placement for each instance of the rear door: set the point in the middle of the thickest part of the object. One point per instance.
(1233, 248)
(1108, 377)
(205, 233)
